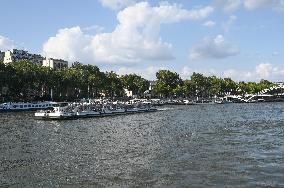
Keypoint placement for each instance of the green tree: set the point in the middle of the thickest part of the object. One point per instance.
(113, 85)
(167, 83)
(135, 83)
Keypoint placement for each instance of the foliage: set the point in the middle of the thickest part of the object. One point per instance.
(168, 83)
(22, 80)
(135, 83)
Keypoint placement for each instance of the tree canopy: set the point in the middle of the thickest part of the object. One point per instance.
(23, 80)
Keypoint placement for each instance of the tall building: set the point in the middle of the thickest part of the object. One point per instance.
(55, 63)
(152, 85)
(17, 55)
(2, 54)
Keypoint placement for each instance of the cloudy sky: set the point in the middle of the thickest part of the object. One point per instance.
(242, 39)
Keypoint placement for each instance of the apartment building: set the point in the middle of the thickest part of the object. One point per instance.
(2, 55)
(55, 63)
(17, 55)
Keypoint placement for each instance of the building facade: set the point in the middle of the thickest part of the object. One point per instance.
(128, 93)
(2, 55)
(55, 63)
(152, 85)
(17, 55)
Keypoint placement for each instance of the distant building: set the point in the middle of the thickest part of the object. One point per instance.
(2, 55)
(17, 55)
(152, 85)
(76, 63)
(128, 93)
(55, 63)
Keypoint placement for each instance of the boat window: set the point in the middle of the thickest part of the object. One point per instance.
(36, 106)
(29, 105)
(33, 106)
(21, 106)
(25, 106)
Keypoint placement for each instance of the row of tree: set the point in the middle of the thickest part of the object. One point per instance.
(22, 80)
(170, 84)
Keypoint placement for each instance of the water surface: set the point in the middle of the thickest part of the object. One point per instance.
(232, 145)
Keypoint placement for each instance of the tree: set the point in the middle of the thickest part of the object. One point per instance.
(199, 83)
(113, 85)
(167, 83)
(135, 83)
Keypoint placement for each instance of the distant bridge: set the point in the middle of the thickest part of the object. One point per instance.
(265, 92)
(273, 88)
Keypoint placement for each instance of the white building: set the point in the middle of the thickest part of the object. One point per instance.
(128, 93)
(55, 63)
(17, 55)
(152, 85)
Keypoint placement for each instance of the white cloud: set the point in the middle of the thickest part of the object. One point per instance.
(6, 43)
(96, 28)
(230, 6)
(135, 38)
(117, 4)
(264, 70)
(209, 23)
(216, 48)
(147, 73)
(261, 71)
(186, 72)
(253, 4)
(70, 44)
(274, 4)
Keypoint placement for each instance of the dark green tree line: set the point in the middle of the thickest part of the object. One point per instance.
(22, 80)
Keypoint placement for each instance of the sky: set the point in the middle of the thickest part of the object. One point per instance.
(241, 39)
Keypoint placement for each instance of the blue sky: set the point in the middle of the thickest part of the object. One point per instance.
(241, 39)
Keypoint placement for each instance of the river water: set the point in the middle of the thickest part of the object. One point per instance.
(231, 145)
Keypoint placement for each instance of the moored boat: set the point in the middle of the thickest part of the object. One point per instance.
(58, 112)
(80, 110)
(25, 106)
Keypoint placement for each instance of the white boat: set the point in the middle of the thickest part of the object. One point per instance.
(25, 106)
(85, 111)
(59, 111)
(74, 111)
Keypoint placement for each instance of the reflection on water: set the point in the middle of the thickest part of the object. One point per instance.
(203, 145)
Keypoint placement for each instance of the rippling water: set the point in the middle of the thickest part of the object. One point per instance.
(232, 145)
